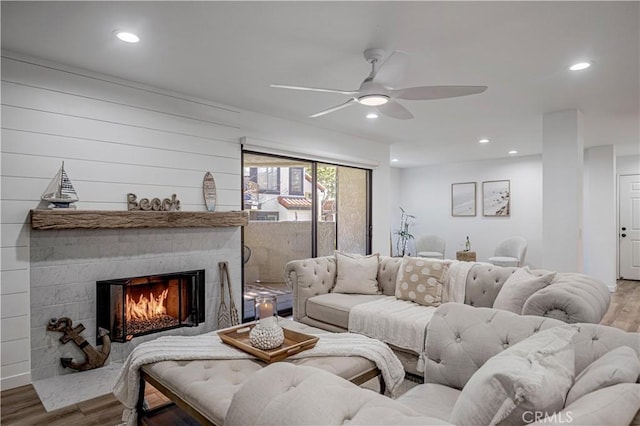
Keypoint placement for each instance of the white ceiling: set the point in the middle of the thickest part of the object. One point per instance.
(229, 53)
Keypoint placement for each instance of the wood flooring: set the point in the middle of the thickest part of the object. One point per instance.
(21, 406)
(624, 310)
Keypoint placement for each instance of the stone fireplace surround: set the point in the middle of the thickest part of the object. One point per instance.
(65, 265)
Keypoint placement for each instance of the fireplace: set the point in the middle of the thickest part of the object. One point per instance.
(130, 307)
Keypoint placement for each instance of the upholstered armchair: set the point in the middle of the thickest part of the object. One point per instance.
(510, 252)
(430, 246)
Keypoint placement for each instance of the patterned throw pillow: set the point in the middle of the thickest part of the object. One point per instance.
(421, 280)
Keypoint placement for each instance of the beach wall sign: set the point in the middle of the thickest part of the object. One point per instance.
(154, 204)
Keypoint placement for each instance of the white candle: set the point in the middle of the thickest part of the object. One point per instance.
(265, 313)
(265, 309)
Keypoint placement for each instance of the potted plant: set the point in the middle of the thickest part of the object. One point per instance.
(403, 233)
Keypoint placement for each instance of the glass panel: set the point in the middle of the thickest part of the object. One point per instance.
(326, 209)
(352, 209)
(130, 307)
(279, 228)
(284, 209)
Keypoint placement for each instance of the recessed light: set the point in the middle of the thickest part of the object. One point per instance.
(483, 141)
(580, 66)
(127, 37)
(512, 152)
(372, 115)
(395, 160)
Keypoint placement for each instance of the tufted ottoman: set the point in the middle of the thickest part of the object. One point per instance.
(204, 388)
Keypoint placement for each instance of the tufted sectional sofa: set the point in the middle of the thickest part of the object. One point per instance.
(460, 340)
(572, 298)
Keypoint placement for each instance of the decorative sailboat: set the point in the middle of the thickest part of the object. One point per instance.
(60, 192)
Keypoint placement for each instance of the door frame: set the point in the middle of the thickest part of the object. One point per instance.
(618, 224)
(314, 205)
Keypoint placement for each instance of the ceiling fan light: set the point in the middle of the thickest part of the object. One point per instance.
(372, 115)
(373, 100)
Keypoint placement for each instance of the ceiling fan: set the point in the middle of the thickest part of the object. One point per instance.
(377, 90)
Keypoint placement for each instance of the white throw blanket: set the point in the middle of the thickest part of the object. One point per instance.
(456, 281)
(398, 322)
(209, 346)
(402, 323)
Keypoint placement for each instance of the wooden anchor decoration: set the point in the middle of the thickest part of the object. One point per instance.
(94, 358)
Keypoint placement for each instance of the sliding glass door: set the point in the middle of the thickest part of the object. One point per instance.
(343, 217)
(298, 209)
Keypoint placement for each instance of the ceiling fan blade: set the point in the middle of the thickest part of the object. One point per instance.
(314, 89)
(335, 108)
(393, 71)
(435, 92)
(395, 110)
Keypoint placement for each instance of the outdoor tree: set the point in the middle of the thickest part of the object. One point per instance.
(327, 178)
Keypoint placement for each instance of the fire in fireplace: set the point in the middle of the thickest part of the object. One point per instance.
(130, 307)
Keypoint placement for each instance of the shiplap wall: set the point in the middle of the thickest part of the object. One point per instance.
(115, 137)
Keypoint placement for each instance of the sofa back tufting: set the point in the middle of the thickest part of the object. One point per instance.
(461, 339)
(387, 274)
(573, 297)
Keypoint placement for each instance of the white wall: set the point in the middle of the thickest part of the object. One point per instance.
(117, 137)
(425, 192)
(394, 204)
(417, 188)
(563, 190)
(600, 236)
(628, 165)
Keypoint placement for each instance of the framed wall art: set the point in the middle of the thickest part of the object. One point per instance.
(463, 199)
(496, 198)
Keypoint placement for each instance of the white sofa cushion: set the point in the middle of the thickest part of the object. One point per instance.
(334, 308)
(533, 375)
(620, 365)
(519, 287)
(356, 274)
(504, 261)
(431, 399)
(282, 395)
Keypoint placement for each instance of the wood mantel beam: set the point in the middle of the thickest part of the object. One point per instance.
(108, 219)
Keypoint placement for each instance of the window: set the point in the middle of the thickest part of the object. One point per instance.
(267, 178)
(296, 185)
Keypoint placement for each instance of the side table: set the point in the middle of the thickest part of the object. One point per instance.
(467, 256)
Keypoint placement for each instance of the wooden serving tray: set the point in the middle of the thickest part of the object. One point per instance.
(294, 342)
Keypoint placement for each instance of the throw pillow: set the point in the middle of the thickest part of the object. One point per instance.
(532, 375)
(620, 365)
(356, 274)
(519, 287)
(420, 280)
(613, 405)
